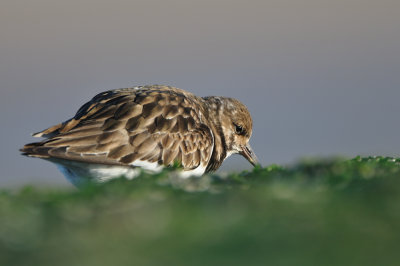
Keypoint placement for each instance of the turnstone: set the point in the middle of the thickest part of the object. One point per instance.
(150, 127)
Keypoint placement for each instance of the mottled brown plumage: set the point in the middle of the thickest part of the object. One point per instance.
(155, 124)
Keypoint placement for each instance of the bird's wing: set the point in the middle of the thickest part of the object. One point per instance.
(129, 127)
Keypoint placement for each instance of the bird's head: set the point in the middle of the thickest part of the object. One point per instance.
(236, 125)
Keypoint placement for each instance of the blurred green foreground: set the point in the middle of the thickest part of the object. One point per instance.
(314, 213)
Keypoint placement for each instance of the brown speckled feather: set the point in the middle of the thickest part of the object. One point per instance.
(156, 124)
(147, 127)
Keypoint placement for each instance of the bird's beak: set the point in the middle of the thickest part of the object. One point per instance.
(248, 153)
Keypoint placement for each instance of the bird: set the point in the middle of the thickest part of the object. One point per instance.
(121, 132)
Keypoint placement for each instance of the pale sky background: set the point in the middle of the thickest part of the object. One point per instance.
(320, 77)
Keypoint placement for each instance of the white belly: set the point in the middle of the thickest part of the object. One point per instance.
(79, 173)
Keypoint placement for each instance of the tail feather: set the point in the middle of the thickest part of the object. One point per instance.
(35, 149)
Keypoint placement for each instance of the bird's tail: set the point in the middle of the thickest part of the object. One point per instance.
(35, 149)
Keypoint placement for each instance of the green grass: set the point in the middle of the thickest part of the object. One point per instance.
(330, 212)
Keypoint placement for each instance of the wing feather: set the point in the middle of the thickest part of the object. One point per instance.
(153, 123)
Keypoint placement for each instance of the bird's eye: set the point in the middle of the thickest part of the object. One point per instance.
(239, 130)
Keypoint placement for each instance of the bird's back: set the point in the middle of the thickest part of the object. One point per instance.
(148, 127)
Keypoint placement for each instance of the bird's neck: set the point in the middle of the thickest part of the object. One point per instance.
(214, 107)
